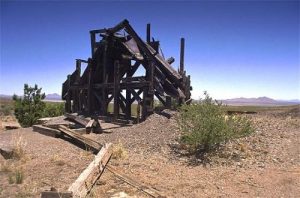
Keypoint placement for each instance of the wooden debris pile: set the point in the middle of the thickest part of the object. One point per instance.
(87, 179)
(111, 75)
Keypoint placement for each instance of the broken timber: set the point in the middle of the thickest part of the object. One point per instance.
(110, 75)
(90, 144)
(88, 124)
(46, 130)
(84, 183)
(79, 120)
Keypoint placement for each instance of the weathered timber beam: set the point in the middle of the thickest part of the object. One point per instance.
(148, 33)
(136, 78)
(181, 69)
(123, 85)
(118, 27)
(116, 89)
(133, 68)
(78, 119)
(136, 95)
(160, 98)
(46, 130)
(87, 179)
(98, 31)
(150, 52)
(91, 144)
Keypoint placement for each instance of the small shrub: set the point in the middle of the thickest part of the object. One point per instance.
(11, 179)
(205, 125)
(119, 152)
(6, 110)
(58, 160)
(19, 176)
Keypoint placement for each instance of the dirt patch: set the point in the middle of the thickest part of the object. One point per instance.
(46, 162)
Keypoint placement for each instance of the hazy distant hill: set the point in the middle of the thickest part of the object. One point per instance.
(259, 101)
(53, 96)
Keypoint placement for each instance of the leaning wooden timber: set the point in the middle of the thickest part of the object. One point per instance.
(110, 75)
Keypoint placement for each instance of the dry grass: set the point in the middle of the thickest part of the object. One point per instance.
(19, 145)
(58, 160)
(119, 152)
(6, 167)
(16, 177)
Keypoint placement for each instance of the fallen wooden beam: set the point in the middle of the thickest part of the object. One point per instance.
(91, 144)
(86, 180)
(77, 119)
(46, 130)
(148, 190)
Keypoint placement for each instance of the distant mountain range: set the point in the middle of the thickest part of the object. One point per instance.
(53, 96)
(259, 101)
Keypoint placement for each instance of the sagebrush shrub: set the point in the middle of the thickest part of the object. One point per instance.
(205, 125)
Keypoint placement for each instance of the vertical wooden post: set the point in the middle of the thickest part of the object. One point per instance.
(93, 40)
(138, 111)
(128, 103)
(148, 33)
(104, 102)
(89, 99)
(76, 105)
(168, 102)
(116, 89)
(68, 99)
(181, 56)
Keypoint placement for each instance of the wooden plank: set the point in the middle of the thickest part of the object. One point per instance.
(148, 190)
(86, 180)
(46, 130)
(75, 135)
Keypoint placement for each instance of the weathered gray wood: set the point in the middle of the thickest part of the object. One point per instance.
(77, 119)
(46, 130)
(91, 144)
(86, 180)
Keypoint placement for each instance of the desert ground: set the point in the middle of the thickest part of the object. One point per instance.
(264, 164)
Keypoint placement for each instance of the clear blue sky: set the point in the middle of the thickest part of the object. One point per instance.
(233, 48)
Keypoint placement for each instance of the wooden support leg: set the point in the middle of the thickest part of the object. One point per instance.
(168, 102)
(128, 104)
(116, 90)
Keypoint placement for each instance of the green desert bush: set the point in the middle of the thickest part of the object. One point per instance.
(53, 109)
(31, 107)
(205, 125)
